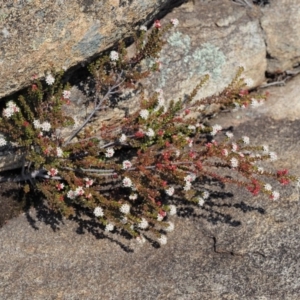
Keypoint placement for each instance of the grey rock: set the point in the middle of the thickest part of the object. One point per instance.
(38, 35)
(235, 247)
(215, 38)
(281, 24)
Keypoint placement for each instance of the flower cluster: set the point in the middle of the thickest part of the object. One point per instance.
(66, 94)
(110, 152)
(50, 79)
(45, 126)
(98, 212)
(127, 182)
(10, 110)
(78, 192)
(170, 191)
(3, 142)
(144, 114)
(114, 55)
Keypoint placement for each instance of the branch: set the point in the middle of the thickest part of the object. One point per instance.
(109, 92)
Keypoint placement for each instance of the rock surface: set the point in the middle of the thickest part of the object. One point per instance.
(281, 25)
(214, 37)
(234, 247)
(36, 35)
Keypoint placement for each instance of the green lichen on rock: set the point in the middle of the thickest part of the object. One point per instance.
(178, 40)
(207, 59)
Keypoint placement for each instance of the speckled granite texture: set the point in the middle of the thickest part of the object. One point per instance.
(235, 247)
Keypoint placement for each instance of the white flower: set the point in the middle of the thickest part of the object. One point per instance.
(201, 201)
(50, 79)
(224, 152)
(59, 152)
(173, 210)
(162, 240)
(11, 104)
(66, 94)
(114, 55)
(127, 182)
(190, 178)
(255, 103)
(160, 217)
(36, 124)
(234, 162)
(52, 172)
(275, 195)
(133, 197)
(60, 186)
(201, 107)
(265, 149)
(170, 227)
(150, 132)
(10, 109)
(88, 182)
(160, 100)
(187, 186)
(126, 164)
(140, 239)
(260, 170)
(246, 140)
(98, 212)
(229, 134)
(123, 138)
(205, 195)
(2, 142)
(234, 147)
(46, 126)
(175, 22)
(215, 129)
(170, 191)
(190, 142)
(71, 194)
(109, 227)
(144, 114)
(143, 224)
(125, 208)
(109, 152)
(273, 156)
(143, 28)
(192, 127)
(268, 187)
(177, 153)
(7, 112)
(79, 191)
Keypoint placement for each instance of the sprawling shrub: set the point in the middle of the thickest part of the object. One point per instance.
(133, 173)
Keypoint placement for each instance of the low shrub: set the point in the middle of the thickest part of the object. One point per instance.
(133, 173)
